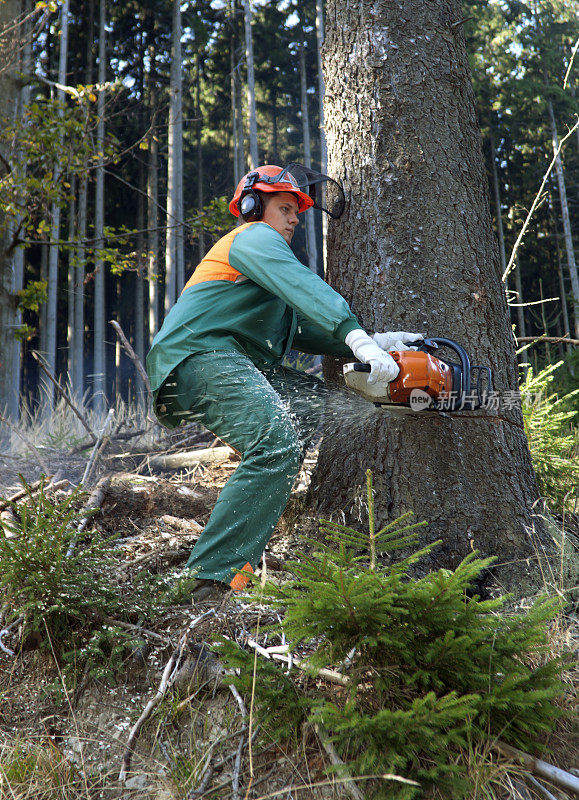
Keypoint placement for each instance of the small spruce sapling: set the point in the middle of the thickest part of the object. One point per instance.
(432, 670)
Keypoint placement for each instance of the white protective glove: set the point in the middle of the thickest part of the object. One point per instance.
(384, 368)
(396, 340)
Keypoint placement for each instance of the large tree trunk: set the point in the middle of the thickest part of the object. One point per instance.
(415, 251)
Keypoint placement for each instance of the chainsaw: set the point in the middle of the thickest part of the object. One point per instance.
(426, 381)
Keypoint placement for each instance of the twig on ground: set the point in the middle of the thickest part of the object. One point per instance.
(137, 629)
(237, 764)
(327, 674)
(210, 768)
(538, 767)
(223, 761)
(94, 501)
(341, 769)
(97, 448)
(204, 783)
(239, 700)
(64, 395)
(132, 355)
(167, 679)
(332, 781)
(539, 786)
(4, 632)
(237, 770)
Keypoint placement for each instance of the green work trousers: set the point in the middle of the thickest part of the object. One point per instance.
(269, 417)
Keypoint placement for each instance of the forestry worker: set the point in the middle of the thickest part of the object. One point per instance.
(217, 360)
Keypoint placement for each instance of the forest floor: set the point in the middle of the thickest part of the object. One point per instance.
(78, 734)
(63, 740)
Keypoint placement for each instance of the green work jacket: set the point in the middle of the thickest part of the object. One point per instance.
(250, 294)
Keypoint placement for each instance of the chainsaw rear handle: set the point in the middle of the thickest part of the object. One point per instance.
(466, 370)
(461, 375)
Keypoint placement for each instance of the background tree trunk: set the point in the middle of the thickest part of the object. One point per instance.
(153, 200)
(53, 257)
(567, 232)
(14, 369)
(236, 101)
(199, 136)
(9, 90)
(174, 259)
(99, 367)
(415, 250)
(71, 278)
(323, 146)
(311, 245)
(253, 151)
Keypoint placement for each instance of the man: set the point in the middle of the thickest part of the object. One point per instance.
(217, 360)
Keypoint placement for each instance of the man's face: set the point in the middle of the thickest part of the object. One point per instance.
(281, 212)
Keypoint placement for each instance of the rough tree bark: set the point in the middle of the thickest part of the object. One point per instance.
(415, 250)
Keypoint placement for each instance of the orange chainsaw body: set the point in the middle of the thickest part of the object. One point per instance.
(419, 370)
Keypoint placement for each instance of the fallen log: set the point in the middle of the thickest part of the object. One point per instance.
(190, 458)
(537, 767)
(30, 490)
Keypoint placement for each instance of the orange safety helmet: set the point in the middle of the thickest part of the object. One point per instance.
(269, 178)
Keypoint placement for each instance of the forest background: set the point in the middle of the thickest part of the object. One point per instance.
(125, 128)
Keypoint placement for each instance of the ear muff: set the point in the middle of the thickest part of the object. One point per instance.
(250, 206)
